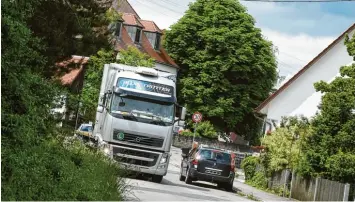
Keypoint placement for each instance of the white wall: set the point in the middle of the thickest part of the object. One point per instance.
(166, 68)
(300, 97)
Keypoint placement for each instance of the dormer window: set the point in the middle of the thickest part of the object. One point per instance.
(118, 29)
(154, 39)
(134, 33)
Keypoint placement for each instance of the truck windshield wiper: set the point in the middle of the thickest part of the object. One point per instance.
(130, 114)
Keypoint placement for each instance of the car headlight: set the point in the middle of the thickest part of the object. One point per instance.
(164, 158)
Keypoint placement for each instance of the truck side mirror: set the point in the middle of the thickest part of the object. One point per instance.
(183, 113)
(100, 109)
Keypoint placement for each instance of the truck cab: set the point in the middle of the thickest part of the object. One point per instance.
(136, 116)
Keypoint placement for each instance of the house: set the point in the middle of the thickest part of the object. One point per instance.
(298, 96)
(71, 75)
(143, 34)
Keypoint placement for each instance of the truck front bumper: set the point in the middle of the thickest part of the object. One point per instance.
(140, 160)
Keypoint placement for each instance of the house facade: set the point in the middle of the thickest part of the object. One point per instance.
(143, 34)
(298, 96)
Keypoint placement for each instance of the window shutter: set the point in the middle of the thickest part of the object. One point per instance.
(138, 36)
(157, 42)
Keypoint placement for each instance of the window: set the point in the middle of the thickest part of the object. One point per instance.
(118, 29)
(154, 39)
(215, 155)
(151, 37)
(157, 42)
(138, 36)
(131, 31)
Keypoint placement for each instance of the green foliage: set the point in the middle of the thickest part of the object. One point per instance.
(329, 150)
(259, 180)
(112, 15)
(55, 172)
(228, 68)
(35, 166)
(134, 57)
(93, 77)
(206, 129)
(187, 133)
(249, 165)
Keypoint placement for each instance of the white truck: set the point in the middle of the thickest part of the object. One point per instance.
(135, 117)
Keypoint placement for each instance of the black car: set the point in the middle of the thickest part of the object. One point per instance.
(209, 165)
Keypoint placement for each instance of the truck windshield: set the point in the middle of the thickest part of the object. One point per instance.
(148, 111)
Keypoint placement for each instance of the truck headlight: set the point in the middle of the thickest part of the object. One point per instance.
(164, 158)
(106, 149)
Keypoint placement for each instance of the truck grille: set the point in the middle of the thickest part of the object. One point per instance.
(132, 154)
(138, 139)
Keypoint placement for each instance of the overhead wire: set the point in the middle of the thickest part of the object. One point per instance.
(288, 68)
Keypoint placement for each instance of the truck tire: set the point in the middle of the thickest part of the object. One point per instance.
(157, 178)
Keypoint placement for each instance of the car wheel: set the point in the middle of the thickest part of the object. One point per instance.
(188, 178)
(182, 178)
(229, 186)
(157, 178)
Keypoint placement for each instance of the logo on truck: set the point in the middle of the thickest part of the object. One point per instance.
(145, 86)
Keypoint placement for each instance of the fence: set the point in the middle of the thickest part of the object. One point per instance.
(319, 189)
(310, 189)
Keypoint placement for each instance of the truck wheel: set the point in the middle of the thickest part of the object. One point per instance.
(157, 178)
(188, 178)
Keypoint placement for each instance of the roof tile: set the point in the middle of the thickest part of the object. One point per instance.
(150, 26)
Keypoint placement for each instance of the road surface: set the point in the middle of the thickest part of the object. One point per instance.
(171, 189)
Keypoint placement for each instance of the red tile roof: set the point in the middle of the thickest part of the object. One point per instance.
(150, 26)
(160, 56)
(72, 74)
(131, 19)
(304, 69)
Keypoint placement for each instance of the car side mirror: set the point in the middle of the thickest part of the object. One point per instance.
(100, 109)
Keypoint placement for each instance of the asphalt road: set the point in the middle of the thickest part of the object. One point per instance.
(171, 189)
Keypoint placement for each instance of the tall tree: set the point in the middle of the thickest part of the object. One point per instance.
(228, 68)
(330, 150)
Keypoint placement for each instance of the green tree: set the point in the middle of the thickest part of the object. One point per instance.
(330, 150)
(134, 57)
(206, 129)
(228, 68)
(92, 83)
(34, 164)
(282, 146)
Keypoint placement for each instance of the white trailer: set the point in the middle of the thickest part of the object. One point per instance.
(135, 117)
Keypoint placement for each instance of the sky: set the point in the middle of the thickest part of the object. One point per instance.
(300, 31)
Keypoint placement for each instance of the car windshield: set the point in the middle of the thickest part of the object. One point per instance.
(140, 108)
(216, 155)
(86, 128)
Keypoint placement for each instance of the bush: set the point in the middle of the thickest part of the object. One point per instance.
(249, 165)
(259, 180)
(50, 170)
